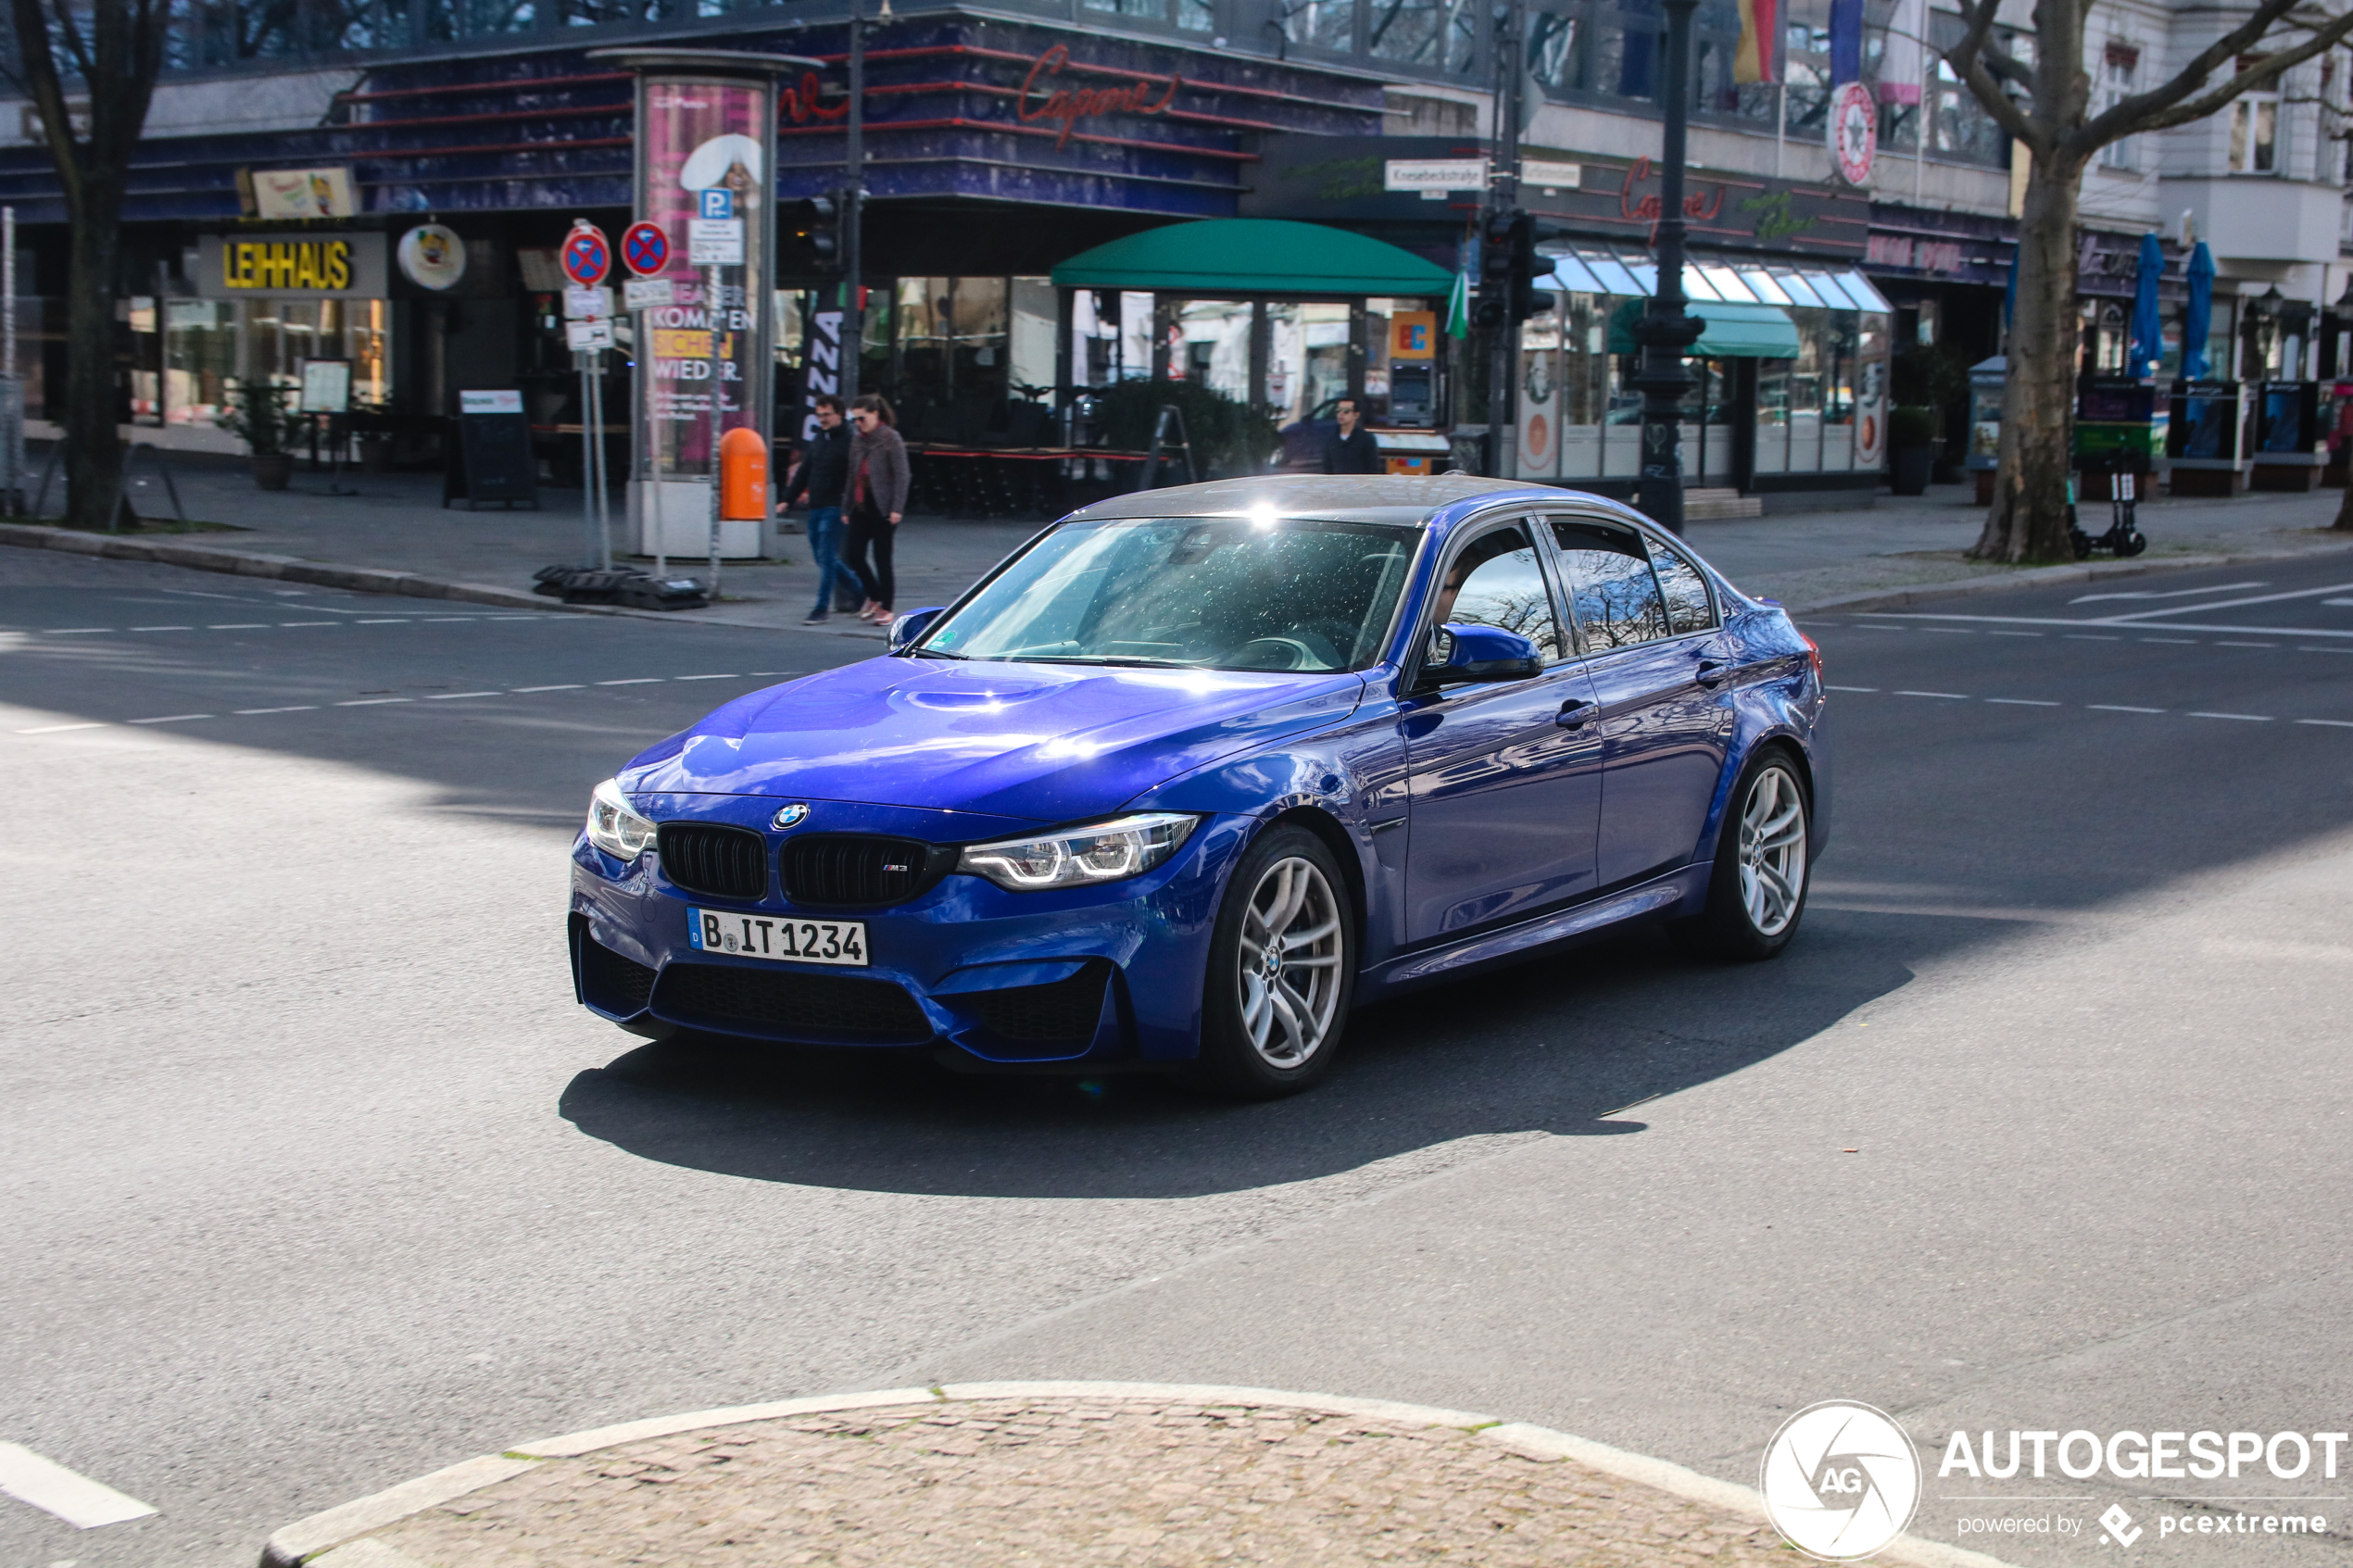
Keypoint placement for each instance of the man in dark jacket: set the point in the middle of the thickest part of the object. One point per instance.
(823, 475)
(1354, 449)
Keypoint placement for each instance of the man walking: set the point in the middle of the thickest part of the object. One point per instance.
(1354, 449)
(823, 475)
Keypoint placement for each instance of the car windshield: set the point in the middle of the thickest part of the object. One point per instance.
(1201, 592)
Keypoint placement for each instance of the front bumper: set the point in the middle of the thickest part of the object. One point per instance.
(1081, 975)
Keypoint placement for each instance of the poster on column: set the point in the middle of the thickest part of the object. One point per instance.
(700, 136)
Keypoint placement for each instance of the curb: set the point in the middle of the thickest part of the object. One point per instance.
(335, 1535)
(2036, 576)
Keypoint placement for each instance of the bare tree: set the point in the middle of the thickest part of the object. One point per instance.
(2051, 115)
(111, 51)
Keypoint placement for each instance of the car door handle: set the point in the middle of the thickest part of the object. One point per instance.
(1711, 671)
(1574, 712)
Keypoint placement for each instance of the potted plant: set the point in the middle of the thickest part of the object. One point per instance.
(257, 417)
(1911, 433)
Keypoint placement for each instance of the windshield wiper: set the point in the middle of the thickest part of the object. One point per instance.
(939, 653)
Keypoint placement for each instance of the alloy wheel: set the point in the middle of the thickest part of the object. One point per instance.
(1772, 850)
(1288, 974)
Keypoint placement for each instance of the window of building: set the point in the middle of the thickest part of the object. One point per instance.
(1410, 114)
(2117, 74)
(1436, 35)
(1319, 24)
(2255, 128)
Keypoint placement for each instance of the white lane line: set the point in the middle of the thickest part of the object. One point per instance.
(2130, 625)
(2223, 645)
(2332, 723)
(171, 719)
(1853, 688)
(514, 618)
(638, 681)
(2325, 650)
(389, 621)
(240, 626)
(452, 696)
(1954, 697)
(50, 1486)
(77, 630)
(163, 627)
(1951, 630)
(2022, 702)
(2013, 633)
(2250, 718)
(298, 708)
(2090, 638)
(2176, 594)
(706, 677)
(374, 701)
(59, 729)
(2120, 707)
(313, 623)
(796, 672)
(572, 687)
(2224, 604)
(442, 619)
(2188, 641)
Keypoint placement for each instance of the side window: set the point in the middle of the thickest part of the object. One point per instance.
(1688, 606)
(1610, 585)
(1496, 582)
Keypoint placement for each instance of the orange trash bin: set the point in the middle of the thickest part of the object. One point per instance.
(743, 474)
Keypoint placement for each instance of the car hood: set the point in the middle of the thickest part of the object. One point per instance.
(1051, 743)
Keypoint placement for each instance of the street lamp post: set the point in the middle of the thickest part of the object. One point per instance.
(1502, 196)
(853, 208)
(1665, 331)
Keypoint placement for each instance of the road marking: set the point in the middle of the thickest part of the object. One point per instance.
(2228, 604)
(2175, 594)
(1951, 630)
(163, 627)
(2120, 707)
(452, 696)
(638, 681)
(2223, 644)
(572, 687)
(2325, 650)
(59, 729)
(299, 708)
(2129, 625)
(389, 621)
(1955, 696)
(311, 623)
(2022, 702)
(2090, 638)
(440, 619)
(2332, 723)
(1853, 688)
(706, 677)
(2250, 718)
(171, 719)
(50, 1486)
(77, 630)
(2013, 633)
(374, 701)
(796, 672)
(2188, 640)
(240, 626)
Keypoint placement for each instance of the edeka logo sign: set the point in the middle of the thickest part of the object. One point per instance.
(1066, 106)
(298, 266)
(1841, 1480)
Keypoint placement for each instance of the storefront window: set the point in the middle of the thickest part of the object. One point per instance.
(1306, 359)
(1444, 34)
(1210, 344)
(1193, 16)
(199, 356)
(1319, 24)
(1111, 336)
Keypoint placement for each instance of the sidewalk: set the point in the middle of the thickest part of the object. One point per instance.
(396, 524)
(1001, 1474)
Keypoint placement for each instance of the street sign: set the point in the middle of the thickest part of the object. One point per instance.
(1548, 174)
(646, 248)
(582, 305)
(715, 241)
(649, 294)
(716, 203)
(587, 255)
(587, 336)
(1434, 176)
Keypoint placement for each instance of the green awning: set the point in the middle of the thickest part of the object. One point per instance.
(1229, 257)
(1734, 331)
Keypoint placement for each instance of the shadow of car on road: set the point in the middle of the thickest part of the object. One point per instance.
(1553, 1046)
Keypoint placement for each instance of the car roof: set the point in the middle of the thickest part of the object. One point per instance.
(1397, 499)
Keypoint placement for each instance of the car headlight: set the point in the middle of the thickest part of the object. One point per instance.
(614, 827)
(1100, 852)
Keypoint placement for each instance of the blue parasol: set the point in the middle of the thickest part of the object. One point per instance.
(2147, 334)
(2198, 318)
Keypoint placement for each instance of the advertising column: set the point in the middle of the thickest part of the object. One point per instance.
(706, 124)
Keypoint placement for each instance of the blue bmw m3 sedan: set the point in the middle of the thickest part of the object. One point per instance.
(1197, 770)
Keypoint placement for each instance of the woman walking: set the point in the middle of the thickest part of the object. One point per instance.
(878, 481)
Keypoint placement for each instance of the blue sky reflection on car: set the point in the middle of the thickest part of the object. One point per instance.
(1196, 771)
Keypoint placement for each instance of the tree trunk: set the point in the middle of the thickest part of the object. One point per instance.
(2028, 523)
(94, 467)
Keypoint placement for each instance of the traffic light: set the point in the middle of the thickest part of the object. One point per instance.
(816, 233)
(1498, 242)
(1527, 266)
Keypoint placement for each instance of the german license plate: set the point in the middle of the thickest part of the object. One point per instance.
(841, 942)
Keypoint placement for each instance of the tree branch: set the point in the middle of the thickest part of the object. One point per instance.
(1965, 57)
(2249, 81)
(2130, 117)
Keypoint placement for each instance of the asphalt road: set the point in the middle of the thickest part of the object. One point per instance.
(315, 1179)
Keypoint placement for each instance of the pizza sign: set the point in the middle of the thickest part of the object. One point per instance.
(1853, 131)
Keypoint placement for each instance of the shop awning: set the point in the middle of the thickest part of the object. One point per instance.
(1711, 279)
(1226, 257)
(1734, 331)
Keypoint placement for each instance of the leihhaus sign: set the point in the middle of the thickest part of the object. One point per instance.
(300, 266)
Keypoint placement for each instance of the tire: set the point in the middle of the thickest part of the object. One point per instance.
(1272, 1014)
(1752, 910)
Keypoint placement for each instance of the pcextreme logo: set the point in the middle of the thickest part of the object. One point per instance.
(1841, 1480)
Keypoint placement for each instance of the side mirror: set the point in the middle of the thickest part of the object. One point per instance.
(906, 628)
(1482, 653)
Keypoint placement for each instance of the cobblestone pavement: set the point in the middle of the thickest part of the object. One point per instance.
(1072, 1481)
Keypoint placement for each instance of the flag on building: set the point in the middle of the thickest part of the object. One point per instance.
(1458, 306)
(1900, 63)
(1846, 42)
(1759, 57)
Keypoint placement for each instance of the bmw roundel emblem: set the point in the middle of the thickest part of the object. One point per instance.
(792, 816)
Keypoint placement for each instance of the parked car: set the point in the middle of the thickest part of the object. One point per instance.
(1197, 770)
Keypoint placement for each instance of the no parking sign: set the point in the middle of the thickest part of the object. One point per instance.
(587, 255)
(646, 247)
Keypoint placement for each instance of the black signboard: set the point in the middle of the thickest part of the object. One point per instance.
(491, 459)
